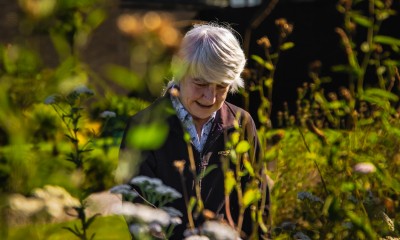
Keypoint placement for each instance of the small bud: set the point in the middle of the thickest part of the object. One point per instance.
(180, 165)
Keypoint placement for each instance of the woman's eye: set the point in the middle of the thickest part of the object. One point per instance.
(201, 84)
(222, 86)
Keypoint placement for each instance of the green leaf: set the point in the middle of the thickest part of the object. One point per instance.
(208, 170)
(382, 94)
(268, 82)
(229, 182)
(124, 77)
(287, 46)
(250, 196)
(387, 40)
(269, 66)
(235, 136)
(347, 187)
(242, 147)
(362, 20)
(148, 136)
(258, 59)
(248, 167)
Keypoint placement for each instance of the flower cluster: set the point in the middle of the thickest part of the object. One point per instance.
(309, 196)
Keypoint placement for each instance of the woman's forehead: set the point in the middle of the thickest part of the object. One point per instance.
(211, 80)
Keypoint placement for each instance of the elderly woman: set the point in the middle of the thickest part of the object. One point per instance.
(207, 67)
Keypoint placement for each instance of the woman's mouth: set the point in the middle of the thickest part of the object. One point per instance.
(204, 106)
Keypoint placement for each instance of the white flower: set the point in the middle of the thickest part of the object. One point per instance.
(197, 237)
(138, 229)
(108, 114)
(83, 90)
(125, 190)
(219, 231)
(364, 167)
(173, 212)
(26, 206)
(165, 190)
(301, 236)
(144, 180)
(309, 196)
(142, 213)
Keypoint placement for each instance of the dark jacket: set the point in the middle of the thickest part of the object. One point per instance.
(159, 163)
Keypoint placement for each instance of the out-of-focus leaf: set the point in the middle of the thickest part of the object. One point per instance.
(95, 18)
(248, 167)
(377, 92)
(251, 195)
(258, 59)
(124, 77)
(387, 40)
(268, 82)
(269, 66)
(242, 147)
(229, 182)
(362, 20)
(148, 136)
(287, 46)
(235, 137)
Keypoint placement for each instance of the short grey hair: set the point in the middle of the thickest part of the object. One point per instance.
(210, 52)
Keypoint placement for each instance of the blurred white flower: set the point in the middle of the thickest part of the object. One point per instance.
(126, 190)
(301, 236)
(51, 99)
(197, 237)
(25, 206)
(219, 231)
(108, 114)
(168, 191)
(138, 229)
(142, 213)
(144, 180)
(309, 196)
(364, 167)
(82, 89)
(56, 199)
(173, 212)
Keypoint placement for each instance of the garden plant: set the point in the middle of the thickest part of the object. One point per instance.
(332, 163)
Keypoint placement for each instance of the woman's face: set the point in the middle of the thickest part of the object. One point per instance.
(201, 98)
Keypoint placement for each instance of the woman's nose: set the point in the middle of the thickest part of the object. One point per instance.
(209, 94)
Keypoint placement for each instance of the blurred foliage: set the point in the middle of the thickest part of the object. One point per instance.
(334, 162)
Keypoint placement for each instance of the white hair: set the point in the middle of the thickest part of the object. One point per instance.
(210, 52)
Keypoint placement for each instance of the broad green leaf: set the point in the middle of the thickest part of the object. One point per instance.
(250, 196)
(148, 136)
(387, 40)
(229, 182)
(287, 46)
(242, 147)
